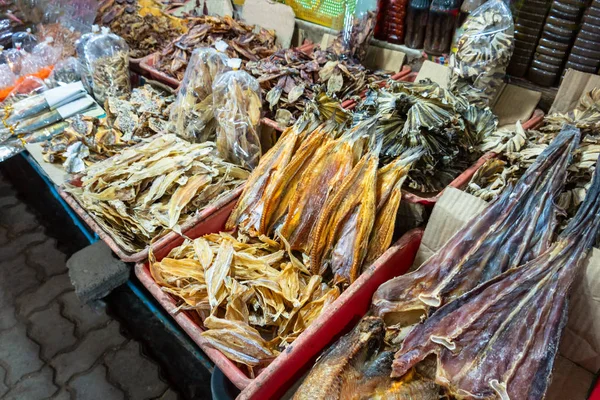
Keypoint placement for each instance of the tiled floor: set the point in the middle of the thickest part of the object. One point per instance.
(52, 346)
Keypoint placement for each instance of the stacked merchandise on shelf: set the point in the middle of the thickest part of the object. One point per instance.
(559, 31)
(529, 21)
(585, 54)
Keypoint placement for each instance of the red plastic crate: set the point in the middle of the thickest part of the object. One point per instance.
(344, 312)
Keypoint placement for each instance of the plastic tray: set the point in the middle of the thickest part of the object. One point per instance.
(345, 311)
(226, 202)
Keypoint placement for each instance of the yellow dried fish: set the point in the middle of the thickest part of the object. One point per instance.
(252, 298)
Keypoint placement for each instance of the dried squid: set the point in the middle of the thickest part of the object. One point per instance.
(141, 193)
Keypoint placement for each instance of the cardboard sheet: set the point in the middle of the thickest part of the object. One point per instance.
(384, 59)
(438, 73)
(54, 172)
(580, 346)
(515, 103)
(573, 86)
(271, 15)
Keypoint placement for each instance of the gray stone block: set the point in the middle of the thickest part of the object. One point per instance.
(95, 272)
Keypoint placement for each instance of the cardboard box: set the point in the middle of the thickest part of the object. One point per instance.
(579, 358)
(271, 15)
(574, 85)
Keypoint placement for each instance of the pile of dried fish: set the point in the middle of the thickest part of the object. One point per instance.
(243, 43)
(517, 149)
(110, 76)
(146, 29)
(253, 296)
(423, 114)
(141, 115)
(467, 303)
(482, 53)
(139, 194)
(288, 80)
(323, 192)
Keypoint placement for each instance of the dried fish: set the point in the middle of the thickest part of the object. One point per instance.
(469, 333)
(145, 27)
(249, 292)
(141, 115)
(291, 79)
(110, 76)
(353, 39)
(483, 53)
(144, 191)
(517, 149)
(192, 115)
(488, 246)
(204, 31)
(237, 107)
(62, 36)
(424, 115)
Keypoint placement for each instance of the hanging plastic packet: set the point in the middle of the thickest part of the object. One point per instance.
(483, 52)
(237, 105)
(86, 76)
(65, 71)
(13, 58)
(26, 38)
(192, 116)
(107, 59)
(48, 51)
(7, 78)
(359, 25)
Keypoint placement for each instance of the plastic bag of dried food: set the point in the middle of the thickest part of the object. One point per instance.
(7, 78)
(237, 105)
(86, 77)
(107, 65)
(359, 25)
(26, 39)
(49, 52)
(483, 52)
(65, 71)
(192, 115)
(13, 58)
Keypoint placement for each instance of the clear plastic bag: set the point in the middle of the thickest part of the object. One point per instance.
(237, 104)
(483, 52)
(49, 52)
(7, 78)
(359, 25)
(13, 58)
(27, 40)
(86, 77)
(107, 62)
(65, 71)
(192, 115)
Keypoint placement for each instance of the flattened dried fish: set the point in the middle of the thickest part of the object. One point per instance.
(488, 246)
(138, 195)
(520, 314)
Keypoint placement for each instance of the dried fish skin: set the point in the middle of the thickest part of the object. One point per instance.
(486, 247)
(345, 357)
(469, 333)
(341, 232)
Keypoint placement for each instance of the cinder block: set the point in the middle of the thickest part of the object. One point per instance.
(95, 272)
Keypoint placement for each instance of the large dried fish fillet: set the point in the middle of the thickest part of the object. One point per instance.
(516, 228)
